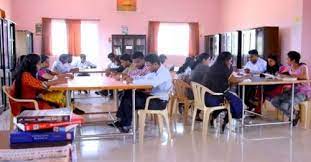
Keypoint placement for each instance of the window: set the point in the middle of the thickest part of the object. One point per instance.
(59, 37)
(89, 39)
(173, 39)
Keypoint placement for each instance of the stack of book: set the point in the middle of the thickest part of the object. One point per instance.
(44, 128)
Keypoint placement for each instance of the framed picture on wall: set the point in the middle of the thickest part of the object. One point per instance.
(38, 27)
(126, 5)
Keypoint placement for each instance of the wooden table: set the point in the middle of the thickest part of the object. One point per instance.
(258, 81)
(101, 83)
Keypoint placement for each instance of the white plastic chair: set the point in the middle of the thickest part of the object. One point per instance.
(6, 90)
(160, 115)
(199, 92)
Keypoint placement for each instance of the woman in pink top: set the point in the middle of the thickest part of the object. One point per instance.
(302, 91)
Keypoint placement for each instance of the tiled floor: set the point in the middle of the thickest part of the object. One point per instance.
(187, 146)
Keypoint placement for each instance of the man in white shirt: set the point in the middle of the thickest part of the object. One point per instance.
(161, 81)
(62, 65)
(83, 63)
(255, 65)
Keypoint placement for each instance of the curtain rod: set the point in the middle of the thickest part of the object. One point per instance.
(73, 19)
(174, 21)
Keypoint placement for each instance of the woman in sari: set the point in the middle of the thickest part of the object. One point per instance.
(27, 86)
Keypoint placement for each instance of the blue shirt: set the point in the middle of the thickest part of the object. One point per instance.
(161, 81)
(59, 67)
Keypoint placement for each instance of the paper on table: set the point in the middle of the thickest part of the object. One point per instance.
(267, 75)
(247, 80)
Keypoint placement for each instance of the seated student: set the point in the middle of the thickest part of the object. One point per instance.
(58, 98)
(185, 70)
(186, 67)
(126, 66)
(138, 61)
(83, 63)
(218, 80)
(198, 74)
(126, 62)
(62, 66)
(113, 61)
(273, 65)
(270, 91)
(201, 68)
(45, 74)
(162, 58)
(302, 91)
(115, 65)
(134, 67)
(273, 68)
(255, 65)
(161, 80)
(27, 86)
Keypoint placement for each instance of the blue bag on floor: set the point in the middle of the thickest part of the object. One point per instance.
(236, 105)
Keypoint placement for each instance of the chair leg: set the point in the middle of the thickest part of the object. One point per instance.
(172, 107)
(185, 113)
(230, 116)
(165, 115)
(142, 117)
(11, 122)
(205, 121)
(175, 107)
(160, 121)
(193, 118)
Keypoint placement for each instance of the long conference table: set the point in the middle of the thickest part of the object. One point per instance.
(101, 83)
(259, 81)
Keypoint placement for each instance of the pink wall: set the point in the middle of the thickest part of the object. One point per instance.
(306, 31)
(243, 14)
(27, 13)
(6, 6)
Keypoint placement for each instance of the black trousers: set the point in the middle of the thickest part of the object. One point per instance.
(250, 96)
(124, 112)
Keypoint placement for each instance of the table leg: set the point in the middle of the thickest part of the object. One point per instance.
(243, 109)
(261, 99)
(134, 115)
(68, 98)
(116, 99)
(292, 110)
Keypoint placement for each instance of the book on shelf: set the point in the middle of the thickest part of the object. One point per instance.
(37, 116)
(67, 125)
(117, 51)
(35, 136)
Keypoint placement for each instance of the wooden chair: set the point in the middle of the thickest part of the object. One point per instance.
(6, 90)
(180, 96)
(305, 113)
(160, 115)
(199, 92)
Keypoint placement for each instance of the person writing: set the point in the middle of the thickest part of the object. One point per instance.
(161, 81)
(255, 65)
(83, 63)
(302, 92)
